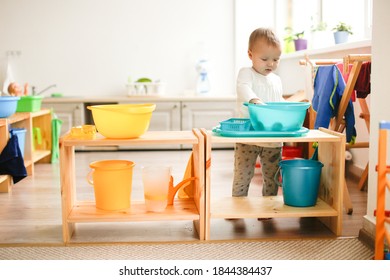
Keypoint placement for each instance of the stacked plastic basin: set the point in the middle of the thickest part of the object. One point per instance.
(8, 105)
(29, 103)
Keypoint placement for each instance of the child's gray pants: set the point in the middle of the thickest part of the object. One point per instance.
(245, 157)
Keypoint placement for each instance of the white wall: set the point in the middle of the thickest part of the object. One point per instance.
(89, 47)
(247, 18)
(379, 100)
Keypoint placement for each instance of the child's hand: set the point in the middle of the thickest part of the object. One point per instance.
(256, 101)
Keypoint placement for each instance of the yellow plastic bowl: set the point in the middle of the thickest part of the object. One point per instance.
(122, 120)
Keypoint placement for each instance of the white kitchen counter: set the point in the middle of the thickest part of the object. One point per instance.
(135, 98)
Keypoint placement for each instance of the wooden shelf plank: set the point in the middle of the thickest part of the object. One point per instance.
(28, 162)
(3, 178)
(5, 183)
(42, 112)
(17, 117)
(40, 154)
(149, 138)
(3, 122)
(311, 136)
(266, 207)
(182, 209)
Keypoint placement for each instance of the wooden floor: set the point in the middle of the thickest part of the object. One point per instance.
(31, 212)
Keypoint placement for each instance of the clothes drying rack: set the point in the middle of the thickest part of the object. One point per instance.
(338, 123)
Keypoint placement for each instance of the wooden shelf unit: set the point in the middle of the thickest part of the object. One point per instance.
(32, 155)
(331, 152)
(74, 211)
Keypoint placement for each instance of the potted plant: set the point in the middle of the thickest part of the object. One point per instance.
(300, 42)
(321, 36)
(342, 32)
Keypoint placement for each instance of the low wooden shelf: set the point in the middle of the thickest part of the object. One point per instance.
(40, 153)
(331, 150)
(182, 209)
(266, 207)
(76, 211)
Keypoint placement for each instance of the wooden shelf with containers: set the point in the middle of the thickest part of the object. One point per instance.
(75, 211)
(33, 152)
(331, 151)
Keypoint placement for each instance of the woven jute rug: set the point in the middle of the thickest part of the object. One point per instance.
(307, 249)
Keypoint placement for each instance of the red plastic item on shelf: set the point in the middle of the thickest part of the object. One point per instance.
(290, 152)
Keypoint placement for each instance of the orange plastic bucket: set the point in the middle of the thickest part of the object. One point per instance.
(112, 181)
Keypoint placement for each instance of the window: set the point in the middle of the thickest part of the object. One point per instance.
(356, 13)
(300, 15)
(304, 15)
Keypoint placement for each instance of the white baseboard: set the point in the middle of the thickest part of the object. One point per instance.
(353, 171)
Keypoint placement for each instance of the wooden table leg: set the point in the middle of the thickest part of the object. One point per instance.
(347, 200)
(363, 180)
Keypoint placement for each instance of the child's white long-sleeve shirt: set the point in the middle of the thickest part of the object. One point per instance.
(251, 84)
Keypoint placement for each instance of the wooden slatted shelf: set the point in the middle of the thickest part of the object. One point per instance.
(74, 211)
(182, 209)
(331, 152)
(266, 207)
(28, 120)
(40, 154)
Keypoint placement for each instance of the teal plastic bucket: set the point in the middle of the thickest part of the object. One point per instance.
(21, 134)
(300, 181)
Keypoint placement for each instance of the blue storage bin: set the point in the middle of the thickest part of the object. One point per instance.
(235, 124)
(8, 105)
(21, 134)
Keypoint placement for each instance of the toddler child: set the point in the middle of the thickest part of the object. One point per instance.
(258, 84)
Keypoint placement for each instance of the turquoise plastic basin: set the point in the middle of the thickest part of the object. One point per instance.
(277, 116)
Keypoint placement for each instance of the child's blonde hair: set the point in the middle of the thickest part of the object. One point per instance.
(265, 34)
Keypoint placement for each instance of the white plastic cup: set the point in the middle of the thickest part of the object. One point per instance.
(156, 184)
(150, 88)
(160, 88)
(131, 90)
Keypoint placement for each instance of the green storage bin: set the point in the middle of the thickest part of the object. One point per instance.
(29, 103)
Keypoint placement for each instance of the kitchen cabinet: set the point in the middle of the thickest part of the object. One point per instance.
(331, 152)
(33, 152)
(166, 117)
(71, 114)
(207, 115)
(79, 211)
